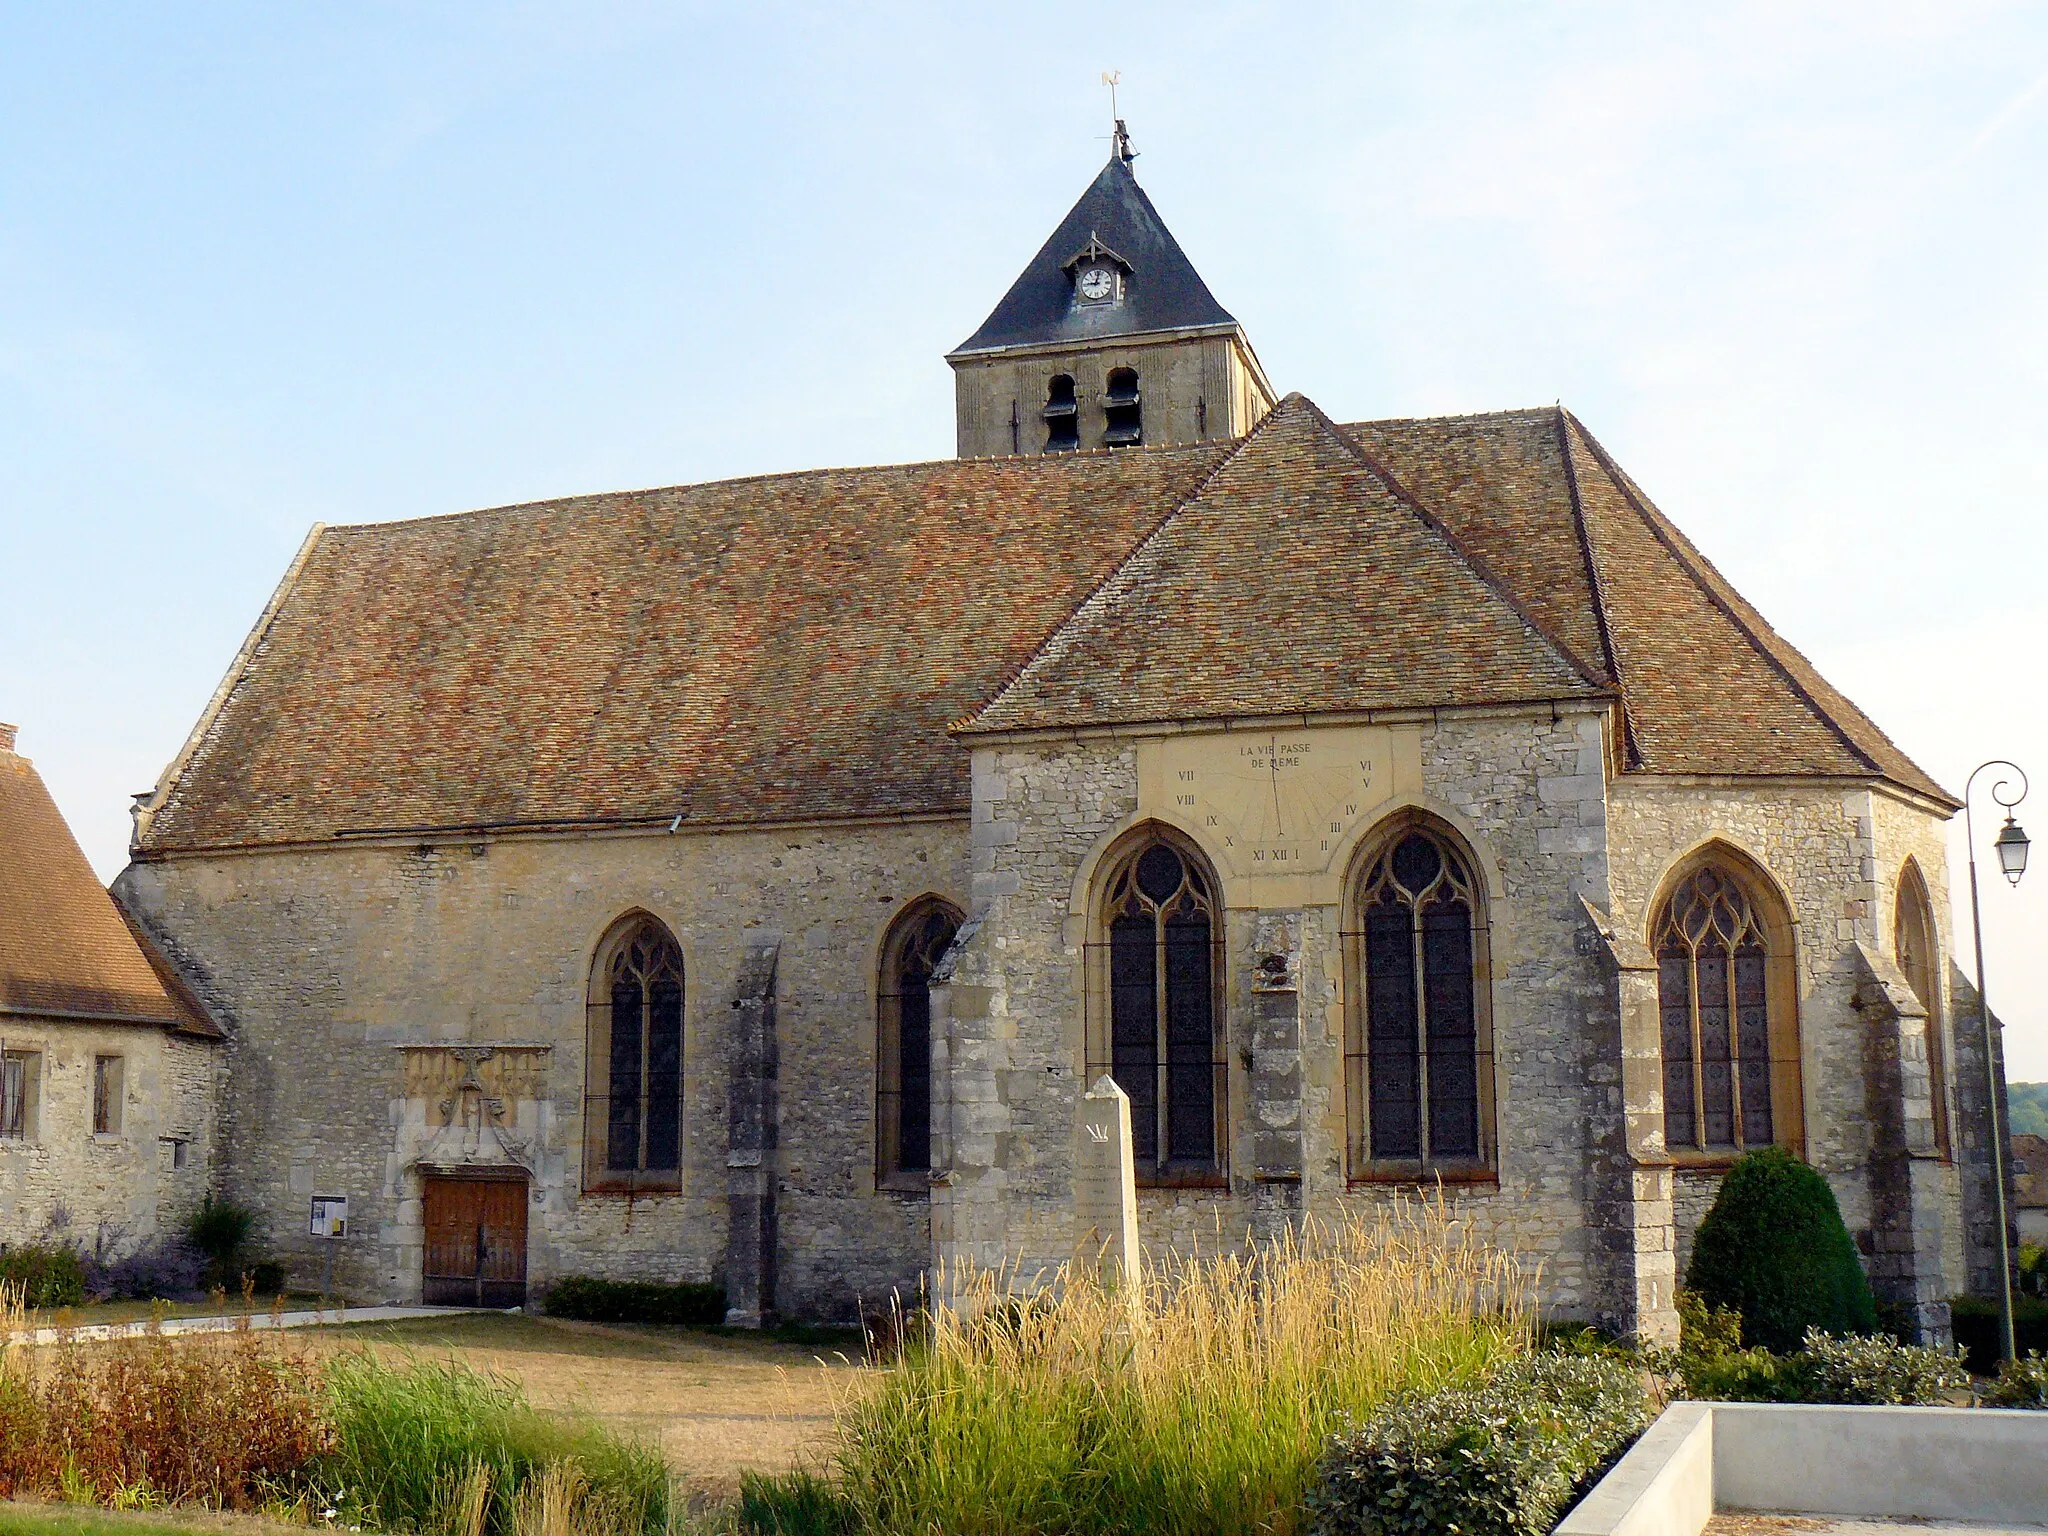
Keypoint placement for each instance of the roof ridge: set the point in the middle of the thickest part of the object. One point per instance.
(1403, 421)
(1722, 594)
(1595, 582)
(1051, 636)
(1068, 456)
(1478, 566)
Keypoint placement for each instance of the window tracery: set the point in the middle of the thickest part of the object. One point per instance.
(1419, 1058)
(633, 1108)
(1714, 1012)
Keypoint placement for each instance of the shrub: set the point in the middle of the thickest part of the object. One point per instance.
(48, 1275)
(1773, 1248)
(412, 1438)
(1506, 1458)
(1975, 1322)
(2022, 1383)
(1877, 1370)
(1199, 1401)
(591, 1300)
(2030, 1270)
(167, 1268)
(220, 1229)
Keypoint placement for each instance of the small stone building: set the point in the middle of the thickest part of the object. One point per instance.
(109, 1066)
(747, 879)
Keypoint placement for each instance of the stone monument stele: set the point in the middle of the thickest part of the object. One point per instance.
(1106, 1187)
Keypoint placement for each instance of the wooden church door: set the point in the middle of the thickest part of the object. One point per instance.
(476, 1242)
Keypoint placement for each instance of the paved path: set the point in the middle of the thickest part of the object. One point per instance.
(324, 1318)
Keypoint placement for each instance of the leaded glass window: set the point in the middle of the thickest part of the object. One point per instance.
(903, 1038)
(1714, 1013)
(1419, 1065)
(1917, 949)
(1164, 1051)
(635, 1101)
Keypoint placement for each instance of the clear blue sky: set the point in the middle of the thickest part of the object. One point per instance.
(269, 264)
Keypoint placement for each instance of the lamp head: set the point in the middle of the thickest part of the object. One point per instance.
(2011, 847)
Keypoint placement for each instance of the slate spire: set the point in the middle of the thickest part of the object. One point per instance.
(1161, 292)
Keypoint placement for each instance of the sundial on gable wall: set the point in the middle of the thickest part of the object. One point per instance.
(1270, 804)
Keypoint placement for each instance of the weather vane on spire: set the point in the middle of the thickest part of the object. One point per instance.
(1120, 139)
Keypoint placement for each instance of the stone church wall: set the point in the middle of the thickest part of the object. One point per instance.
(1834, 853)
(108, 1191)
(1526, 793)
(345, 967)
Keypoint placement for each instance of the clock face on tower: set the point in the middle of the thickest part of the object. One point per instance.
(1097, 284)
(1277, 803)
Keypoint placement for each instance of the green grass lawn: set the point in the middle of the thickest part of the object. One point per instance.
(25, 1519)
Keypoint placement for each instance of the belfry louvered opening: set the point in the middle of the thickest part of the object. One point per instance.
(1419, 1041)
(1062, 415)
(1155, 1015)
(1122, 410)
(633, 1094)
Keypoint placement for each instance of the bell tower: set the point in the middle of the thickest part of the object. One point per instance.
(1108, 339)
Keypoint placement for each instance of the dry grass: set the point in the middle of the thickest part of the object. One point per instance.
(1199, 1405)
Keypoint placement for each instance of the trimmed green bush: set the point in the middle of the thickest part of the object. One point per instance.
(1773, 1249)
(49, 1276)
(1506, 1458)
(1975, 1322)
(220, 1229)
(591, 1300)
(2021, 1383)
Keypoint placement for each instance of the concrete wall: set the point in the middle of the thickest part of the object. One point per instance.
(352, 971)
(1194, 387)
(115, 1190)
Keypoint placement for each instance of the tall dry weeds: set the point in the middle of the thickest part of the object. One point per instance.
(228, 1421)
(1200, 1405)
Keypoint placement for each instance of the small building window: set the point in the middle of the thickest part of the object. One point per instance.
(106, 1095)
(1122, 410)
(903, 1042)
(1161, 941)
(1419, 1053)
(1062, 415)
(634, 1094)
(20, 1081)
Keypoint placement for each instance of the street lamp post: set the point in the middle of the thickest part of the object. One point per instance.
(2011, 847)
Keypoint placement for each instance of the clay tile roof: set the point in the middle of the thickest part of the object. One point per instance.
(1298, 580)
(1162, 290)
(1707, 686)
(771, 649)
(794, 647)
(2030, 1185)
(65, 948)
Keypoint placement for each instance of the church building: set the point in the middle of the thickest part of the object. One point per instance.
(746, 880)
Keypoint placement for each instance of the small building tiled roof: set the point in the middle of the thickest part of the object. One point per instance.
(1162, 290)
(795, 647)
(66, 951)
(2029, 1163)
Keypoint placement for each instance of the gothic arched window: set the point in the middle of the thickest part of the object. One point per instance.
(634, 1072)
(1730, 1048)
(1918, 952)
(1419, 1058)
(903, 1041)
(1062, 415)
(1160, 935)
